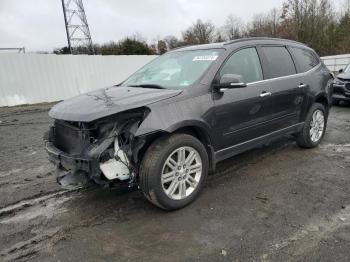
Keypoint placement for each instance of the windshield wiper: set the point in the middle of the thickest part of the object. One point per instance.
(149, 86)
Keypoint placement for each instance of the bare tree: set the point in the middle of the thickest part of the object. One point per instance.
(162, 47)
(171, 41)
(259, 26)
(199, 33)
(266, 24)
(219, 36)
(347, 6)
(233, 28)
(274, 18)
(311, 22)
(314, 22)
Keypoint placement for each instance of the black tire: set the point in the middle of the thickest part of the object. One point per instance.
(303, 138)
(152, 165)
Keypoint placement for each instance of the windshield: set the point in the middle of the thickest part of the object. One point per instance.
(174, 70)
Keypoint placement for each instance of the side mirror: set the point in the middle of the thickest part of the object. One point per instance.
(341, 71)
(229, 81)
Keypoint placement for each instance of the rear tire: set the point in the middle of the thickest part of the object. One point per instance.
(173, 171)
(314, 127)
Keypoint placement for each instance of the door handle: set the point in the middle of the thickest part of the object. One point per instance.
(302, 85)
(263, 94)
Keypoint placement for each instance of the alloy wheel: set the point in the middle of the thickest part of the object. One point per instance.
(181, 173)
(317, 126)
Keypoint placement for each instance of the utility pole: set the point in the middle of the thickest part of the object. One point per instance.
(77, 28)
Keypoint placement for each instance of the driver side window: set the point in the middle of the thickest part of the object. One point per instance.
(246, 63)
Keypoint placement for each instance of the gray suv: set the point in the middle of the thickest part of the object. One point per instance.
(169, 124)
(341, 90)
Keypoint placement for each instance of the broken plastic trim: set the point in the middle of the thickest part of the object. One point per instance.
(121, 138)
(71, 179)
(117, 166)
(98, 147)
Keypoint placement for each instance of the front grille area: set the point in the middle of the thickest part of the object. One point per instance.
(70, 138)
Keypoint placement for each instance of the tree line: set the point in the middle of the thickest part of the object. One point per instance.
(317, 23)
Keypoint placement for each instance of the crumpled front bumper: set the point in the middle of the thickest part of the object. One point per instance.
(71, 170)
(82, 154)
(61, 159)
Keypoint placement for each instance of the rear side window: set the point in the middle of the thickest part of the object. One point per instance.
(278, 61)
(305, 59)
(246, 63)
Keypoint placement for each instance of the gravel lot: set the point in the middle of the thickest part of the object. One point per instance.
(274, 203)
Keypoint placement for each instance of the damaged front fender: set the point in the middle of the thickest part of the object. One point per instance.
(110, 140)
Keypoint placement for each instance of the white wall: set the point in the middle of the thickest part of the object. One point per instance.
(336, 62)
(37, 78)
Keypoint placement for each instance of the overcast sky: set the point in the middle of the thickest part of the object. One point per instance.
(39, 25)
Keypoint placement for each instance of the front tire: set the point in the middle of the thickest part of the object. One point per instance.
(314, 127)
(173, 171)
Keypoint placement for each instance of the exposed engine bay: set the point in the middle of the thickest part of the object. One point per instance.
(105, 151)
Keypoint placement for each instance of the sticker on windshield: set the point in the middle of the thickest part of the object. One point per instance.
(205, 58)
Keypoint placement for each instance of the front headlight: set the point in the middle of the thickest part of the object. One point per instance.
(338, 82)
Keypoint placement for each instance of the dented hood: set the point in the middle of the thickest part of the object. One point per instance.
(108, 101)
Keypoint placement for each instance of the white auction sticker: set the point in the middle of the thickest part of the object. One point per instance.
(205, 58)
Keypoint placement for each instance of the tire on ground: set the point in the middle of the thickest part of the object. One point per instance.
(152, 165)
(303, 138)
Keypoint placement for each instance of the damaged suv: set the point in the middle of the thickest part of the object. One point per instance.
(171, 122)
(341, 86)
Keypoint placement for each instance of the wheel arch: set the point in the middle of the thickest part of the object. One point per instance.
(322, 99)
(196, 129)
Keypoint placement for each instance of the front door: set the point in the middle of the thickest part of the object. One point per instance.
(241, 112)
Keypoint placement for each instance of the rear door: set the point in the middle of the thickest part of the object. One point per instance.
(310, 75)
(287, 91)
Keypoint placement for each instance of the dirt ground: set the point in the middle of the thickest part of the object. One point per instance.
(274, 203)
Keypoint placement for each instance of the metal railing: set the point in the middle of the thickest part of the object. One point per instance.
(336, 62)
(20, 50)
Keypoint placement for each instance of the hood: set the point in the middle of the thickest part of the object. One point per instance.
(108, 101)
(345, 76)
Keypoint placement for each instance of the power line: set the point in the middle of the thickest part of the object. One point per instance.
(77, 28)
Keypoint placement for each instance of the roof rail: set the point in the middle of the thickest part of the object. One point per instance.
(260, 38)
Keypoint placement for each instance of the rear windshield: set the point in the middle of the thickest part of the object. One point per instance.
(175, 70)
